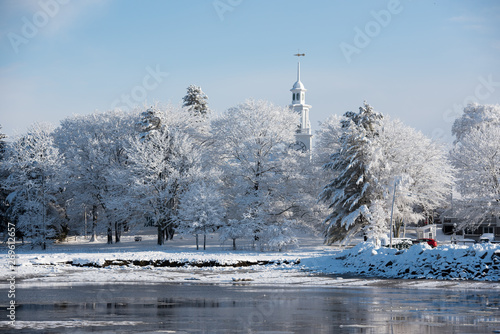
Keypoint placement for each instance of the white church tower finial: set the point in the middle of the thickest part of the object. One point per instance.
(304, 133)
(298, 70)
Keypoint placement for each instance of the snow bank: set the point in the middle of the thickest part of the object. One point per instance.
(307, 265)
(157, 259)
(448, 262)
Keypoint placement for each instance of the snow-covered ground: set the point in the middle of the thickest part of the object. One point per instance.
(78, 261)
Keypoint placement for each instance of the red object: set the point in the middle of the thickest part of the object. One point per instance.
(430, 242)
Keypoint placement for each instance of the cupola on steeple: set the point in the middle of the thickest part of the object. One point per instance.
(298, 90)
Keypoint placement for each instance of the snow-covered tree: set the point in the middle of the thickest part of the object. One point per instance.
(196, 100)
(418, 167)
(34, 164)
(200, 211)
(234, 229)
(259, 171)
(159, 116)
(328, 138)
(474, 115)
(150, 120)
(354, 186)
(378, 225)
(3, 144)
(3, 178)
(328, 141)
(378, 162)
(163, 168)
(477, 159)
(94, 147)
(304, 185)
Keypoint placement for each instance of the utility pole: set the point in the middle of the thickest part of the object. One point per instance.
(396, 181)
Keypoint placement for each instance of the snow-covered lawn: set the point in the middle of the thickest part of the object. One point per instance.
(178, 261)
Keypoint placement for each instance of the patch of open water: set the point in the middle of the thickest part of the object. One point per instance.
(198, 308)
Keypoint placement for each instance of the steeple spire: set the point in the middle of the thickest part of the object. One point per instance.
(298, 55)
(298, 70)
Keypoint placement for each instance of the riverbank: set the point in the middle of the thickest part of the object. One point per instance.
(312, 264)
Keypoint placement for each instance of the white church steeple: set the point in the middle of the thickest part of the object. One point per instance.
(304, 134)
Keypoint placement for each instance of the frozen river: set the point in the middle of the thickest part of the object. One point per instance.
(195, 308)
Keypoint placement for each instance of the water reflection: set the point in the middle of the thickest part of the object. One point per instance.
(243, 309)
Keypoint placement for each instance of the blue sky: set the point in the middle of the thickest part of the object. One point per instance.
(419, 61)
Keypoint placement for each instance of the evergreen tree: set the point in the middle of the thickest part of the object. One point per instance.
(150, 120)
(195, 100)
(2, 143)
(3, 178)
(353, 189)
(373, 156)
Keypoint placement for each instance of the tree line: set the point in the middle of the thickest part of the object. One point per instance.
(192, 171)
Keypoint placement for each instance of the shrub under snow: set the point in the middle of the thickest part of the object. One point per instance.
(476, 262)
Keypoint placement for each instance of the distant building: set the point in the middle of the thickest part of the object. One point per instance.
(490, 225)
(426, 232)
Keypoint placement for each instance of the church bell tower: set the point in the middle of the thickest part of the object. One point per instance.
(304, 135)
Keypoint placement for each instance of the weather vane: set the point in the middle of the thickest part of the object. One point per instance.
(300, 54)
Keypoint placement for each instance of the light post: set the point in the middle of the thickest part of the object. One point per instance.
(404, 180)
(454, 233)
(396, 182)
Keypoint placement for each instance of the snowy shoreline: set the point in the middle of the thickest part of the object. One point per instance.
(313, 264)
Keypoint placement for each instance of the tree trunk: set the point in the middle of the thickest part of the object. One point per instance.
(93, 238)
(234, 244)
(397, 228)
(166, 234)
(197, 246)
(169, 232)
(110, 233)
(118, 232)
(204, 241)
(160, 235)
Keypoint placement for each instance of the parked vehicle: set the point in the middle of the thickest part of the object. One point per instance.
(398, 243)
(486, 238)
(429, 241)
